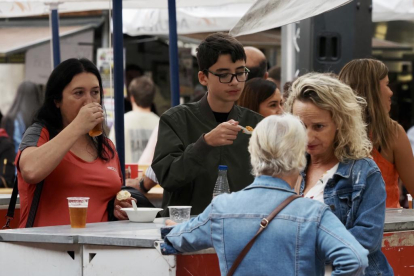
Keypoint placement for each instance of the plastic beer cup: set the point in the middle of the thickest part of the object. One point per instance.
(179, 214)
(96, 131)
(78, 207)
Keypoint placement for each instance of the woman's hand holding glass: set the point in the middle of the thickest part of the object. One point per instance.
(88, 117)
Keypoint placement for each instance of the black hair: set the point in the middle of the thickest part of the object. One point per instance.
(50, 115)
(275, 73)
(29, 98)
(215, 45)
(255, 92)
(258, 71)
(134, 67)
(143, 91)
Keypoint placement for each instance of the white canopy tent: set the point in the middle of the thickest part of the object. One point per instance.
(151, 17)
(23, 8)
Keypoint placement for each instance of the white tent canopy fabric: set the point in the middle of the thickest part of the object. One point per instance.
(387, 10)
(23, 8)
(151, 16)
(269, 14)
(189, 20)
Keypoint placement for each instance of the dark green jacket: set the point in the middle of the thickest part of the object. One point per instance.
(186, 167)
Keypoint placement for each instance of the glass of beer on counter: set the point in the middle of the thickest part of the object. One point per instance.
(78, 207)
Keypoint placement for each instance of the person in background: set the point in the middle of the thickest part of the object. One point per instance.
(28, 99)
(57, 156)
(339, 171)
(277, 150)
(140, 122)
(392, 150)
(7, 156)
(132, 71)
(275, 75)
(194, 138)
(261, 96)
(256, 62)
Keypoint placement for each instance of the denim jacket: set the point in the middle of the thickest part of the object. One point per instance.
(356, 195)
(296, 242)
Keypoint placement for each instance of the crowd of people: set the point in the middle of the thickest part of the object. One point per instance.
(328, 138)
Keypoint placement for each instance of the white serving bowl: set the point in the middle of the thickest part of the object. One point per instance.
(142, 214)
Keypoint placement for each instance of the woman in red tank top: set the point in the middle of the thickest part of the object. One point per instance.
(392, 150)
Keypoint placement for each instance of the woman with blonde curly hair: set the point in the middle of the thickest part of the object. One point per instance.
(392, 150)
(339, 171)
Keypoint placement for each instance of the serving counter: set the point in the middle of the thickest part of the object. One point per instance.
(126, 248)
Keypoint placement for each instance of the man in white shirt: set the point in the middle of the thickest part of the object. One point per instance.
(140, 122)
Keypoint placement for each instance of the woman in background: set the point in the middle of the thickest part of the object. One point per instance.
(262, 96)
(28, 99)
(339, 171)
(392, 149)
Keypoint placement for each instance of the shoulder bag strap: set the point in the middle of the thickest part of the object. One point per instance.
(33, 206)
(12, 205)
(263, 225)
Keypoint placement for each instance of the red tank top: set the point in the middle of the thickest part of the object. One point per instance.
(390, 176)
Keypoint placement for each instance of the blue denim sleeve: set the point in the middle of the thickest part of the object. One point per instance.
(369, 219)
(336, 245)
(192, 235)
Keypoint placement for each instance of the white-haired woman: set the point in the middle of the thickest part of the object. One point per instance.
(302, 236)
(339, 171)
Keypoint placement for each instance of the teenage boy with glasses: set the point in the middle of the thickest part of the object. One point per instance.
(195, 138)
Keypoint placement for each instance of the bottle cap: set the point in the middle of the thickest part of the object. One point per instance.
(222, 167)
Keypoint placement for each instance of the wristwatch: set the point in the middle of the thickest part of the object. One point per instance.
(141, 186)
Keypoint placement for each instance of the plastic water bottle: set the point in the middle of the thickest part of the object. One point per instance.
(222, 185)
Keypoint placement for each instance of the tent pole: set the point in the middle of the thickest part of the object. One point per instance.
(119, 81)
(173, 49)
(55, 43)
(288, 53)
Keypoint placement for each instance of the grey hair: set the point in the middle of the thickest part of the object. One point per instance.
(278, 145)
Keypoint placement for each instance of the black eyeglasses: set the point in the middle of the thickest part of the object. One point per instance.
(228, 77)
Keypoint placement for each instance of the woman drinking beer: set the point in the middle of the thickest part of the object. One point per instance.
(58, 158)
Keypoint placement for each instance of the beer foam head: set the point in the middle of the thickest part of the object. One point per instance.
(78, 202)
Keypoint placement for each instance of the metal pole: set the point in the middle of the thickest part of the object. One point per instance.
(288, 53)
(174, 70)
(119, 81)
(55, 43)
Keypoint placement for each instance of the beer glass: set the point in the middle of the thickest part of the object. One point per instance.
(96, 131)
(78, 207)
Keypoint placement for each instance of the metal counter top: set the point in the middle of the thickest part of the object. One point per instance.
(117, 233)
(5, 199)
(125, 233)
(399, 220)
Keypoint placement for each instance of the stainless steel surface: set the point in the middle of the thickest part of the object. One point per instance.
(5, 199)
(125, 233)
(399, 220)
(117, 233)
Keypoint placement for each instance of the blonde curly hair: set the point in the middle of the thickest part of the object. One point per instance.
(328, 93)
